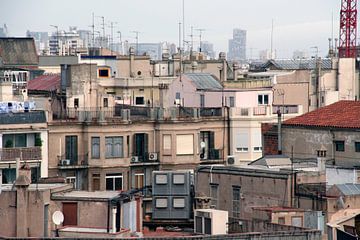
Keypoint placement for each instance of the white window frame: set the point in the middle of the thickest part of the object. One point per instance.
(115, 177)
(262, 102)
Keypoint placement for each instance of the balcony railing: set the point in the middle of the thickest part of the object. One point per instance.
(79, 160)
(212, 154)
(135, 113)
(266, 111)
(25, 153)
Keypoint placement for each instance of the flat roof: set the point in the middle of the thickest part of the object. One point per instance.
(85, 195)
(33, 187)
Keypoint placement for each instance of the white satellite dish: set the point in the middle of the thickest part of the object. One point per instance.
(58, 217)
(202, 145)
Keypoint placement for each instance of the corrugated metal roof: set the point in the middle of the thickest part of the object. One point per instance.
(297, 64)
(23, 117)
(18, 51)
(204, 81)
(349, 189)
(49, 82)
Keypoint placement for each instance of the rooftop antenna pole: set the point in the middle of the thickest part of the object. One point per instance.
(93, 30)
(137, 41)
(272, 39)
(120, 41)
(183, 16)
(180, 51)
(201, 30)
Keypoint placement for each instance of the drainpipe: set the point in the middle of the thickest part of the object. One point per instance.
(108, 218)
(279, 132)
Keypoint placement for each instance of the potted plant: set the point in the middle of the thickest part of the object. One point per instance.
(38, 142)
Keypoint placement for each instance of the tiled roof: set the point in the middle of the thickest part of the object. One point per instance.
(204, 81)
(297, 64)
(342, 114)
(49, 83)
(18, 51)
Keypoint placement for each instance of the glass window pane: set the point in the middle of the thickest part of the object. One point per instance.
(260, 99)
(118, 183)
(109, 184)
(95, 147)
(266, 99)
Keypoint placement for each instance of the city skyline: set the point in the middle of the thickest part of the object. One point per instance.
(301, 26)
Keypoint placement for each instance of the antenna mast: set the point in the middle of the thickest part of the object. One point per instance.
(348, 29)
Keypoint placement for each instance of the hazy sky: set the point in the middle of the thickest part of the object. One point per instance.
(298, 24)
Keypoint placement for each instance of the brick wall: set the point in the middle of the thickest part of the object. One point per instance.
(270, 138)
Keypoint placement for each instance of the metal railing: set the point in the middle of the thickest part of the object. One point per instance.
(212, 154)
(286, 109)
(209, 112)
(78, 160)
(24, 153)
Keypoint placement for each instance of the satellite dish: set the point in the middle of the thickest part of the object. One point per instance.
(58, 217)
(202, 145)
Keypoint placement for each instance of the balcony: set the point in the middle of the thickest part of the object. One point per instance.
(25, 154)
(266, 111)
(212, 155)
(76, 162)
(151, 158)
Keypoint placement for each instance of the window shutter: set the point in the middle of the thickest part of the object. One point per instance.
(242, 140)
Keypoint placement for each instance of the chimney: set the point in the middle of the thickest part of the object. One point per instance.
(235, 70)
(279, 132)
(223, 68)
(132, 61)
(321, 159)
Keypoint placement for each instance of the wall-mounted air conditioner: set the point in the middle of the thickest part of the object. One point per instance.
(65, 162)
(230, 160)
(134, 159)
(153, 156)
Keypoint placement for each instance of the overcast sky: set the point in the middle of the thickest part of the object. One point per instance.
(298, 24)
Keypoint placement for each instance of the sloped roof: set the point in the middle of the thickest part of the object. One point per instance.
(48, 83)
(349, 189)
(18, 51)
(342, 114)
(204, 81)
(298, 64)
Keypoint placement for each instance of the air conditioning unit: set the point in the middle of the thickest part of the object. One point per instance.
(230, 160)
(65, 162)
(153, 156)
(134, 159)
(210, 221)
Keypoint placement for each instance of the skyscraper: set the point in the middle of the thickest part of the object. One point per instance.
(237, 45)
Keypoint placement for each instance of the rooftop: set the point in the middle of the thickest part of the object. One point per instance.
(33, 187)
(85, 195)
(297, 64)
(342, 114)
(18, 51)
(349, 189)
(204, 81)
(50, 82)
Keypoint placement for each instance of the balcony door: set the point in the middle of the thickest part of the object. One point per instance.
(207, 145)
(71, 149)
(140, 147)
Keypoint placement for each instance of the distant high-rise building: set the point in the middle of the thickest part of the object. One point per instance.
(66, 43)
(41, 41)
(154, 50)
(208, 49)
(267, 54)
(3, 31)
(237, 45)
(300, 54)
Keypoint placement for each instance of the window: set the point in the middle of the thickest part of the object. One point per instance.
(177, 95)
(15, 140)
(296, 221)
(357, 146)
(95, 147)
(214, 195)
(96, 182)
(263, 99)
(236, 202)
(232, 101)
(167, 142)
(202, 100)
(104, 72)
(185, 144)
(139, 180)
(178, 179)
(76, 102)
(256, 140)
(161, 179)
(139, 101)
(242, 144)
(281, 220)
(339, 146)
(114, 182)
(71, 180)
(178, 202)
(161, 203)
(114, 147)
(106, 102)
